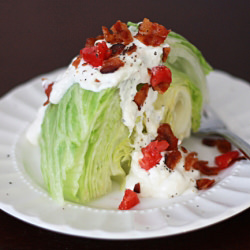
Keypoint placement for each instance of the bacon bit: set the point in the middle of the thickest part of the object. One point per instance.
(77, 62)
(111, 65)
(141, 95)
(137, 188)
(166, 51)
(209, 142)
(131, 49)
(223, 145)
(47, 92)
(84, 64)
(203, 167)
(96, 80)
(173, 158)
(151, 33)
(190, 160)
(240, 158)
(121, 33)
(90, 42)
(165, 133)
(117, 49)
(184, 150)
(149, 72)
(204, 183)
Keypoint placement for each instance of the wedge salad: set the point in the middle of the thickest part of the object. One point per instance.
(119, 113)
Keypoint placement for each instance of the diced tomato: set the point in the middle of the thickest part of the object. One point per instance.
(130, 199)
(151, 154)
(165, 133)
(204, 183)
(96, 55)
(225, 160)
(141, 95)
(161, 78)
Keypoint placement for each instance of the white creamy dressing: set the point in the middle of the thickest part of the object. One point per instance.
(158, 181)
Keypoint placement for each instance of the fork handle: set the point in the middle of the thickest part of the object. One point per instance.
(235, 140)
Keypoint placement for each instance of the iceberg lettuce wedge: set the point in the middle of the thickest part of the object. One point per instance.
(84, 142)
(84, 145)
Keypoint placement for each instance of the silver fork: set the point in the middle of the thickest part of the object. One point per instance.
(211, 124)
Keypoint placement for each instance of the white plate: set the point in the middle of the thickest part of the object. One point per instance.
(23, 195)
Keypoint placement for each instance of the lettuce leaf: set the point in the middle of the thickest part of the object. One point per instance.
(84, 145)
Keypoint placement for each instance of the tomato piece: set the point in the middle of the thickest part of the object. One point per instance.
(225, 160)
(161, 78)
(130, 199)
(96, 55)
(152, 154)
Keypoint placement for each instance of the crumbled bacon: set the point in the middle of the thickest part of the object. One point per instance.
(203, 167)
(77, 62)
(165, 133)
(130, 49)
(166, 51)
(223, 146)
(184, 150)
(47, 92)
(209, 142)
(111, 65)
(190, 160)
(90, 42)
(151, 33)
(172, 158)
(117, 49)
(141, 95)
(204, 183)
(137, 188)
(121, 34)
